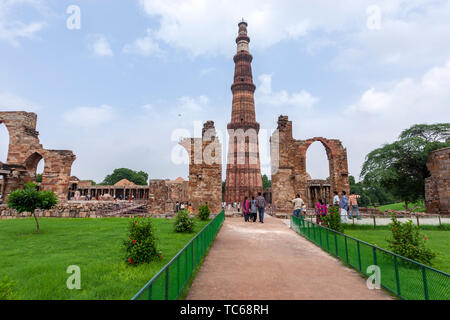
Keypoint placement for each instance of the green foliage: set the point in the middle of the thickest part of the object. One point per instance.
(333, 219)
(29, 199)
(401, 166)
(430, 132)
(266, 182)
(39, 177)
(183, 222)
(139, 178)
(7, 289)
(203, 212)
(141, 245)
(370, 194)
(407, 241)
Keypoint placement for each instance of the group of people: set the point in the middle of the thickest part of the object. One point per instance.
(251, 208)
(346, 206)
(182, 206)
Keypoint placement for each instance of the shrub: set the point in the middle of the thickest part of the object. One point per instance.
(183, 222)
(7, 289)
(333, 219)
(407, 241)
(203, 212)
(141, 244)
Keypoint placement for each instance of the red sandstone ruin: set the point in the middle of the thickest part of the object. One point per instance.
(24, 153)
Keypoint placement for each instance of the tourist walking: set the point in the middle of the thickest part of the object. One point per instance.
(344, 206)
(354, 205)
(261, 203)
(298, 204)
(321, 211)
(253, 209)
(176, 207)
(245, 209)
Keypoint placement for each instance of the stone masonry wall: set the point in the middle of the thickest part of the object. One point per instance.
(288, 162)
(205, 169)
(437, 188)
(26, 151)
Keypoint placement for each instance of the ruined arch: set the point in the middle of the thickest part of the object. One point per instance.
(4, 142)
(290, 176)
(25, 151)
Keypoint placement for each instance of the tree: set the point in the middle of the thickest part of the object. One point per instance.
(400, 167)
(266, 182)
(29, 199)
(438, 132)
(39, 177)
(139, 178)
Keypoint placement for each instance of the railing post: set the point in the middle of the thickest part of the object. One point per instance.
(150, 291)
(328, 241)
(335, 243)
(425, 284)
(178, 276)
(374, 255)
(359, 255)
(397, 278)
(346, 248)
(167, 283)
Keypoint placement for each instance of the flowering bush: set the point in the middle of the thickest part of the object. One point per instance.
(141, 244)
(407, 241)
(203, 212)
(183, 222)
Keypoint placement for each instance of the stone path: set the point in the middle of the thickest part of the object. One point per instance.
(254, 261)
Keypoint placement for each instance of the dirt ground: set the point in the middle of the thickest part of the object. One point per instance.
(262, 261)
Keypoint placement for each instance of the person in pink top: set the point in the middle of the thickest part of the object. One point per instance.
(246, 209)
(321, 211)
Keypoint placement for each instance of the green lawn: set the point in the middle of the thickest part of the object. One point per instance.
(401, 207)
(37, 263)
(439, 242)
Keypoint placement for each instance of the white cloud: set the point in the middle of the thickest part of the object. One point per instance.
(13, 30)
(11, 102)
(145, 46)
(90, 117)
(410, 30)
(265, 95)
(99, 46)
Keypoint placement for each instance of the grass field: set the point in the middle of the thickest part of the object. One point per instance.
(439, 242)
(401, 206)
(37, 263)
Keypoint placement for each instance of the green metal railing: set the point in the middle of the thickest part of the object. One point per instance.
(403, 277)
(170, 281)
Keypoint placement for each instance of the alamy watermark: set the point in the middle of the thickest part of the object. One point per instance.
(74, 281)
(73, 22)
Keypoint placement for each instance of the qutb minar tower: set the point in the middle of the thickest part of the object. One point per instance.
(243, 165)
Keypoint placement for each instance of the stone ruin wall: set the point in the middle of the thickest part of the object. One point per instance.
(25, 152)
(437, 187)
(205, 173)
(205, 179)
(163, 196)
(288, 163)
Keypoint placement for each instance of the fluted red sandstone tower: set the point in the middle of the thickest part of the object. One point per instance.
(243, 165)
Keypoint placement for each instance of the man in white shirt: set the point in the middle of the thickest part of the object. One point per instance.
(298, 204)
(336, 200)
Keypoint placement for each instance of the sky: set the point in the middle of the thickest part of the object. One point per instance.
(119, 82)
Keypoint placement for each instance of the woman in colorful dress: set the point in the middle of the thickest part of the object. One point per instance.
(321, 211)
(245, 209)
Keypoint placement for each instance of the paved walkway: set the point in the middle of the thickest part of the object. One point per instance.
(255, 261)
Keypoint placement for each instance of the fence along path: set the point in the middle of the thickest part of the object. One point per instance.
(270, 261)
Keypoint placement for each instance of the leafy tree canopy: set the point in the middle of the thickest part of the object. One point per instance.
(400, 167)
(266, 182)
(139, 178)
(438, 132)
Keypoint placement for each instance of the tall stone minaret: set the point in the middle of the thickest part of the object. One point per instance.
(243, 165)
